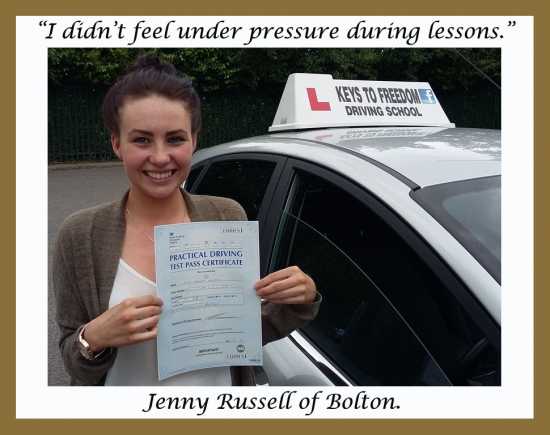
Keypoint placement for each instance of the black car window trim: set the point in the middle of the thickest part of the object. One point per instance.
(415, 241)
(202, 166)
(326, 367)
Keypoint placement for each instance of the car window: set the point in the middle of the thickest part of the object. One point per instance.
(471, 211)
(356, 326)
(245, 181)
(421, 300)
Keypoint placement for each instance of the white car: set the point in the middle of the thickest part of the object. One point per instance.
(396, 219)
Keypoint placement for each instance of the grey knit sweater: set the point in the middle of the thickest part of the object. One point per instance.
(85, 262)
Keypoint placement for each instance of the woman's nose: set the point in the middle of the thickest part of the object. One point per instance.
(160, 155)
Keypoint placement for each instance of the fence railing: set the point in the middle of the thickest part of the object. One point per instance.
(76, 131)
(477, 109)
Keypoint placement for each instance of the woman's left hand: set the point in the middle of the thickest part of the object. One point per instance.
(287, 286)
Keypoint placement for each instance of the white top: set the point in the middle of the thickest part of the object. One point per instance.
(137, 364)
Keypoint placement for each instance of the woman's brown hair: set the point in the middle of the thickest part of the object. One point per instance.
(151, 75)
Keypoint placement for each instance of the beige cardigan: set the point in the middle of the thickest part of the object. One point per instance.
(85, 261)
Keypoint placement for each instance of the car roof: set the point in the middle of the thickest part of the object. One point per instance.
(420, 156)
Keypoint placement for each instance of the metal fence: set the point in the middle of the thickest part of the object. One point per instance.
(478, 109)
(236, 114)
(76, 131)
(75, 128)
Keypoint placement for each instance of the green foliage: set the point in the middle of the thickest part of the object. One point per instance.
(443, 68)
(94, 66)
(213, 69)
(274, 65)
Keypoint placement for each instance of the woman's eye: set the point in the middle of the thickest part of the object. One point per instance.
(176, 139)
(140, 140)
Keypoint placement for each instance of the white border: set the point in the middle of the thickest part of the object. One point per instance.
(514, 399)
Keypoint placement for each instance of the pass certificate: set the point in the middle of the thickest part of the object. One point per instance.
(211, 315)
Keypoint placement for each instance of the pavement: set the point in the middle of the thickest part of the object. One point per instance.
(84, 165)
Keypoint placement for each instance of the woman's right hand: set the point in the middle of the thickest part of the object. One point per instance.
(132, 321)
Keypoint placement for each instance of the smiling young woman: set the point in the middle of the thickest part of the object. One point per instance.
(104, 259)
(156, 143)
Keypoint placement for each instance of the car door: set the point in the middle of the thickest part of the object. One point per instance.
(392, 313)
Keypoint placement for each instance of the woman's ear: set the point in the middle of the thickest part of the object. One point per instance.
(115, 142)
(194, 143)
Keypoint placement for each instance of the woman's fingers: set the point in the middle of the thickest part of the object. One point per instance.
(145, 301)
(132, 321)
(287, 286)
(279, 275)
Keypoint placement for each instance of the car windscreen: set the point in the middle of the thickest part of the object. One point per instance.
(471, 211)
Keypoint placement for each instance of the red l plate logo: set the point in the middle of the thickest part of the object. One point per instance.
(315, 103)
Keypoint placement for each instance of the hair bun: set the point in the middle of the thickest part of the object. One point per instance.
(149, 76)
(152, 61)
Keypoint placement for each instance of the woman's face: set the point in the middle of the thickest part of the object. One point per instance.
(155, 144)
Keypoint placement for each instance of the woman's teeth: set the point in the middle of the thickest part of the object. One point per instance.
(159, 176)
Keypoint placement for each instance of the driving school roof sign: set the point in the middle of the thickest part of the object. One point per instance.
(318, 101)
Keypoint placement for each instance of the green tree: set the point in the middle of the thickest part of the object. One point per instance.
(213, 69)
(443, 68)
(93, 66)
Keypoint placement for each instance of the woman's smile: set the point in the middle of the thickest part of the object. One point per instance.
(159, 175)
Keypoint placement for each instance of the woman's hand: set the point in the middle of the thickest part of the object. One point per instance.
(287, 286)
(132, 321)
